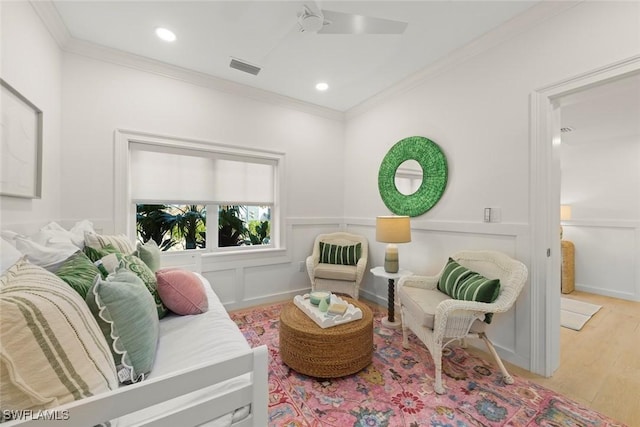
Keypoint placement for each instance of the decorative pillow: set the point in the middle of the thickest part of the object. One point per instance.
(127, 316)
(49, 254)
(52, 351)
(9, 255)
(97, 254)
(461, 283)
(53, 232)
(149, 253)
(79, 273)
(110, 263)
(98, 241)
(182, 291)
(337, 254)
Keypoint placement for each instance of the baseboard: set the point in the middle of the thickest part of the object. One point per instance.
(607, 292)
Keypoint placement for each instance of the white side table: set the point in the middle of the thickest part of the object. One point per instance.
(390, 320)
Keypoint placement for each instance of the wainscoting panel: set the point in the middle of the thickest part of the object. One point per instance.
(607, 257)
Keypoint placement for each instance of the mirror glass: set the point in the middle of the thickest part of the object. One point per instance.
(408, 177)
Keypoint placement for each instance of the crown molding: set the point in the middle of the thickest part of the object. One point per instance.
(519, 24)
(53, 22)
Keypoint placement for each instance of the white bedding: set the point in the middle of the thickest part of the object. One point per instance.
(192, 340)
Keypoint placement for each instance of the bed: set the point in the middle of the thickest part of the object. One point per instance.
(204, 373)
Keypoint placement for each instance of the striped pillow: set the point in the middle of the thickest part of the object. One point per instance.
(461, 283)
(337, 254)
(99, 241)
(53, 351)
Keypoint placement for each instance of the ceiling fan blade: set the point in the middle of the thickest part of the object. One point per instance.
(348, 23)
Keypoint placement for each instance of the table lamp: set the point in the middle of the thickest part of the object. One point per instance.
(565, 215)
(567, 279)
(392, 229)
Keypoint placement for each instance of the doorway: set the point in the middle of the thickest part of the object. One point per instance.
(546, 120)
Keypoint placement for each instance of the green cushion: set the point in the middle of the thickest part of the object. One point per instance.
(149, 253)
(110, 263)
(461, 283)
(95, 254)
(78, 272)
(127, 316)
(337, 254)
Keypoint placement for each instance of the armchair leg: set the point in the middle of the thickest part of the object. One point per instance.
(508, 379)
(437, 360)
(405, 329)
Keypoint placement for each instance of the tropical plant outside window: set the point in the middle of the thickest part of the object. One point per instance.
(183, 227)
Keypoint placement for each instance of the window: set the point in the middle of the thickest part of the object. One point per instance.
(189, 195)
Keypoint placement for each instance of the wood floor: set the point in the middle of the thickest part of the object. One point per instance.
(599, 365)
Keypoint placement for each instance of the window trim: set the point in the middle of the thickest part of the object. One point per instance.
(125, 207)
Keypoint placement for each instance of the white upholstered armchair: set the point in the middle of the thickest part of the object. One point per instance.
(437, 319)
(338, 263)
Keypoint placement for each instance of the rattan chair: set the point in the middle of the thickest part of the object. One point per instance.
(338, 278)
(437, 320)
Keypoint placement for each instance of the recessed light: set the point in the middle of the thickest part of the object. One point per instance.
(322, 86)
(166, 35)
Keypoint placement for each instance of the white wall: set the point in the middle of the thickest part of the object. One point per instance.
(601, 182)
(31, 63)
(478, 112)
(100, 97)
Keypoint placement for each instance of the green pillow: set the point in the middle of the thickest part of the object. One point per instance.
(96, 254)
(78, 272)
(110, 263)
(461, 283)
(127, 316)
(149, 252)
(338, 254)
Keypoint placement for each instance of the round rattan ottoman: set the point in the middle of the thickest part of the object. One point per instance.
(325, 353)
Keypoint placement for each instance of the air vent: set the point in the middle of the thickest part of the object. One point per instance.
(243, 66)
(566, 129)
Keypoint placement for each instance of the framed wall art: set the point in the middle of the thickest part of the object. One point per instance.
(21, 145)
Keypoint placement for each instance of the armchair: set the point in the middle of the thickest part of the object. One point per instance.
(437, 319)
(337, 263)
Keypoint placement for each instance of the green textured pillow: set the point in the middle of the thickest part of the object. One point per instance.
(337, 254)
(127, 317)
(78, 272)
(461, 283)
(149, 253)
(96, 254)
(110, 263)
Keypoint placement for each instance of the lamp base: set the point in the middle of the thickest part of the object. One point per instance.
(391, 260)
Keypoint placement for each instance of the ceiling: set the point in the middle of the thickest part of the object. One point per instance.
(608, 112)
(265, 34)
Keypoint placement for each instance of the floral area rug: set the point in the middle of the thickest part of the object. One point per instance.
(397, 388)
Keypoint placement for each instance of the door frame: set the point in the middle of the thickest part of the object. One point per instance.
(544, 208)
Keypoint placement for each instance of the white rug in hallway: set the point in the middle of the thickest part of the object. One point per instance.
(574, 314)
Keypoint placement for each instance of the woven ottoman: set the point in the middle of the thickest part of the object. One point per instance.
(325, 353)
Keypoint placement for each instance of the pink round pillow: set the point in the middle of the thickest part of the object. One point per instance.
(182, 291)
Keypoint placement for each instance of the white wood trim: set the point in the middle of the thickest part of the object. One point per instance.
(108, 406)
(545, 210)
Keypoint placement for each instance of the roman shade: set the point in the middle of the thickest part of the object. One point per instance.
(179, 175)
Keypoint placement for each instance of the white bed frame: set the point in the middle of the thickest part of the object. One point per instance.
(109, 406)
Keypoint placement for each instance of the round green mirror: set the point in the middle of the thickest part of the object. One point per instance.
(398, 176)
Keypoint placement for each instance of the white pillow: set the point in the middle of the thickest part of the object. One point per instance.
(49, 255)
(9, 255)
(54, 233)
